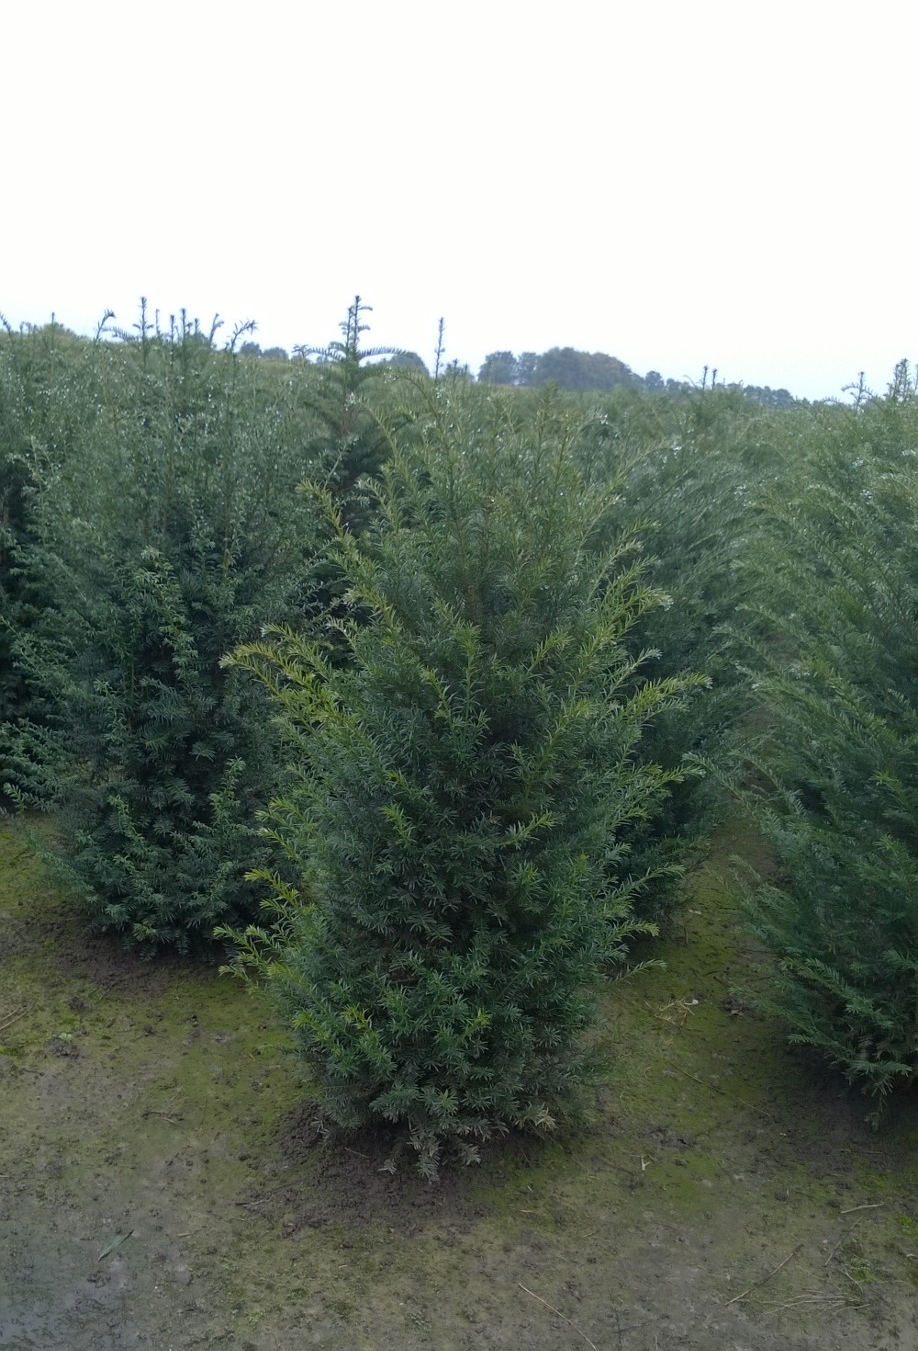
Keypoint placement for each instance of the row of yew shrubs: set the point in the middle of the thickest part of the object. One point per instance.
(451, 675)
(830, 648)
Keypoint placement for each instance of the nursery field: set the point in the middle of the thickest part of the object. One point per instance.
(163, 1185)
(544, 764)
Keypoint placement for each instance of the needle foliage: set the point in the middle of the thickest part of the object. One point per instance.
(169, 532)
(459, 785)
(835, 667)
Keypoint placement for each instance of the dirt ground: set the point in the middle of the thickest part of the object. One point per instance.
(162, 1184)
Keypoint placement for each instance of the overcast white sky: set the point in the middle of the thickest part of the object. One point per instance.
(678, 184)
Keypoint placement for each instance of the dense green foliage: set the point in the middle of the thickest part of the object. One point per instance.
(464, 778)
(47, 388)
(834, 665)
(350, 444)
(690, 474)
(167, 531)
(517, 638)
(346, 396)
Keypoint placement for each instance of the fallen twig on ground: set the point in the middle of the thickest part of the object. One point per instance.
(12, 1018)
(798, 1300)
(559, 1313)
(848, 1231)
(764, 1279)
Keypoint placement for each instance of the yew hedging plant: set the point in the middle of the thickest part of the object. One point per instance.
(692, 473)
(836, 670)
(170, 533)
(48, 384)
(459, 787)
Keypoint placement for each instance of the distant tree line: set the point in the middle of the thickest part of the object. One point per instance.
(563, 366)
(596, 371)
(566, 367)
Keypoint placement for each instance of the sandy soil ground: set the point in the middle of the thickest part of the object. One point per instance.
(162, 1183)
